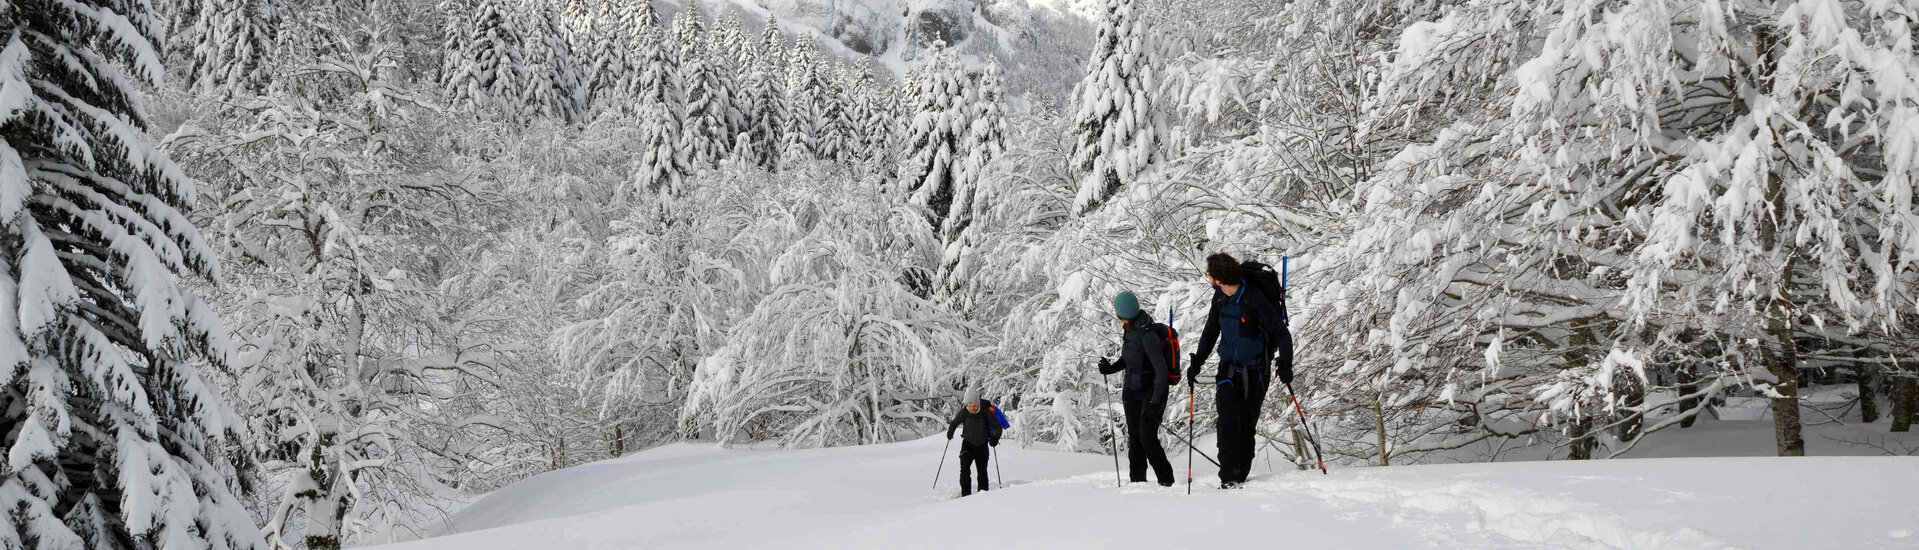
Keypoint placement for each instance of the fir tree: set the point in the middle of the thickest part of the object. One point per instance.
(1116, 132)
(708, 101)
(552, 74)
(114, 441)
(764, 83)
(231, 46)
(935, 138)
(484, 58)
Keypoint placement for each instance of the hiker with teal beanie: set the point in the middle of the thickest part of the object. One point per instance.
(1143, 356)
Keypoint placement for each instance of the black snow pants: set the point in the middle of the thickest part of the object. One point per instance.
(1142, 440)
(973, 456)
(1241, 393)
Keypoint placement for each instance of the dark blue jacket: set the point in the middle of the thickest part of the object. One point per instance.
(1243, 327)
(1142, 354)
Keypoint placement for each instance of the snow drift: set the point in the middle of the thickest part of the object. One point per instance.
(699, 496)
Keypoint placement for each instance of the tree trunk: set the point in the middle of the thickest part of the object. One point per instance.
(1781, 354)
(1905, 397)
(1688, 385)
(1583, 443)
(1782, 360)
(1299, 449)
(619, 441)
(1379, 413)
(1634, 398)
(1868, 408)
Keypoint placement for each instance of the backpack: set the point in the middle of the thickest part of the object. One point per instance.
(1171, 337)
(999, 421)
(1280, 339)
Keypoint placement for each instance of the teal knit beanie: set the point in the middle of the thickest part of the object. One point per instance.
(1126, 305)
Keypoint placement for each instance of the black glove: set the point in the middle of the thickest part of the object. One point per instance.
(1105, 365)
(1285, 373)
(994, 443)
(1192, 367)
(949, 435)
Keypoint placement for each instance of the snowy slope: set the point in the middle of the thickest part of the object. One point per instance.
(695, 496)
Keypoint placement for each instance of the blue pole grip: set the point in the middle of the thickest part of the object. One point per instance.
(1282, 271)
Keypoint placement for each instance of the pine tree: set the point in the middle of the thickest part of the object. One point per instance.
(656, 73)
(232, 43)
(605, 55)
(731, 54)
(705, 138)
(985, 140)
(661, 161)
(552, 74)
(114, 441)
(813, 101)
(1116, 131)
(484, 58)
(765, 95)
(936, 137)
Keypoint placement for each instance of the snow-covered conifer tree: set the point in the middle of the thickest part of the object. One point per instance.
(552, 72)
(764, 85)
(484, 55)
(114, 440)
(1117, 131)
(935, 139)
(231, 46)
(808, 101)
(709, 103)
(730, 53)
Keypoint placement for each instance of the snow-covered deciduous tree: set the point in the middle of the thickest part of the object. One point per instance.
(836, 349)
(114, 439)
(1115, 125)
(1630, 186)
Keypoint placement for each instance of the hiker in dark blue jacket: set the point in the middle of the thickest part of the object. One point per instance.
(1143, 357)
(1242, 323)
(979, 429)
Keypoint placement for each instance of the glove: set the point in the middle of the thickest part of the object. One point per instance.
(1192, 367)
(1105, 364)
(994, 443)
(949, 436)
(1286, 374)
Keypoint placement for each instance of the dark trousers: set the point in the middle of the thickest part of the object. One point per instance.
(973, 456)
(1241, 393)
(1142, 440)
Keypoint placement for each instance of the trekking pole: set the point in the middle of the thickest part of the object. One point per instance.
(1202, 454)
(936, 473)
(996, 467)
(1309, 429)
(1289, 385)
(1190, 405)
(1110, 432)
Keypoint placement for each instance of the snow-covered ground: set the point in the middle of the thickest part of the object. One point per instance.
(699, 496)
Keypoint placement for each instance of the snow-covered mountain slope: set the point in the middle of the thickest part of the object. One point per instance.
(1040, 44)
(697, 496)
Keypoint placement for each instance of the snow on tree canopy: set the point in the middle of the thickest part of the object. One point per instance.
(121, 444)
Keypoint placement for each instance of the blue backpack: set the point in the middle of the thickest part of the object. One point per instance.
(999, 420)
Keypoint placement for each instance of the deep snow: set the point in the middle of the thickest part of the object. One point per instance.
(699, 496)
